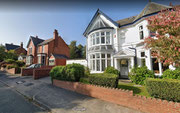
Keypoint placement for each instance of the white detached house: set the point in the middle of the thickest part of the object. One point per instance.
(120, 43)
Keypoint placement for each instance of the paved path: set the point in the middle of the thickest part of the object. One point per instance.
(12, 102)
(60, 100)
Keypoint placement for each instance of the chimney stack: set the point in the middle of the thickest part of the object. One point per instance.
(170, 4)
(55, 34)
(21, 44)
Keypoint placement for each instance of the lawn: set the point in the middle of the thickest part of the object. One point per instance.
(138, 90)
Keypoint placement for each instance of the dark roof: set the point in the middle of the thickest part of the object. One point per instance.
(126, 20)
(45, 42)
(35, 40)
(150, 8)
(11, 47)
(60, 56)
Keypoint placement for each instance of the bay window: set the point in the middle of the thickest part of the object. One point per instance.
(101, 37)
(99, 61)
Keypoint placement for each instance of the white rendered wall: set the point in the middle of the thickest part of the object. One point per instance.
(81, 61)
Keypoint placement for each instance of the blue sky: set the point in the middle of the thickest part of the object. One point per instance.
(19, 20)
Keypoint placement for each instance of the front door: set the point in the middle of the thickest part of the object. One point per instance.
(124, 68)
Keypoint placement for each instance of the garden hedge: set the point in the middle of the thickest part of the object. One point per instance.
(70, 72)
(168, 89)
(105, 79)
(139, 74)
(173, 74)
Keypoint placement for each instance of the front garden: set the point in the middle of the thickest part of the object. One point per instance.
(144, 82)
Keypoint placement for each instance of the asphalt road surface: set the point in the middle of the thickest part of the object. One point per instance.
(12, 102)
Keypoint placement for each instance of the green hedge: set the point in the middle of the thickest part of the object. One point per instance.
(105, 79)
(111, 70)
(70, 72)
(168, 89)
(139, 74)
(173, 74)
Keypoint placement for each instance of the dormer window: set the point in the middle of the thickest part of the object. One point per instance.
(141, 33)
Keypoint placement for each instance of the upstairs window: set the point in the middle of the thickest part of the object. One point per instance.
(100, 38)
(141, 33)
(30, 50)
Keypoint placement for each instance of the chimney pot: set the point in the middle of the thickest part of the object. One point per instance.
(21, 44)
(55, 34)
(170, 4)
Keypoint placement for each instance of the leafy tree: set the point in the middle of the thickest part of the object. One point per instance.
(166, 24)
(11, 55)
(84, 52)
(80, 51)
(73, 50)
(2, 53)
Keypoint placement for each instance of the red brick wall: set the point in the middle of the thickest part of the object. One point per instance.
(26, 72)
(11, 71)
(20, 51)
(61, 47)
(121, 97)
(41, 72)
(61, 62)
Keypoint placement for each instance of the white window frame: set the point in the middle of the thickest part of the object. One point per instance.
(141, 30)
(93, 37)
(100, 60)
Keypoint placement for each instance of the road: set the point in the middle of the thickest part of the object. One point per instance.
(12, 102)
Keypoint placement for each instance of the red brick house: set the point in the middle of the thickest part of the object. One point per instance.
(32, 50)
(53, 51)
(19, 50)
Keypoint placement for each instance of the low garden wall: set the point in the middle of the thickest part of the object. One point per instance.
(121, 97)
(26, 72)
(11, 71)
(40, 73)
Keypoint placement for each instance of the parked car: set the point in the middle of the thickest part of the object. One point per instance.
(34, 66)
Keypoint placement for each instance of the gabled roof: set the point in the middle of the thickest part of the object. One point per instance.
(46, 41)
(126, 20)
(35, 40)
(60, 56)
(94, 17)
(11, 47)
(149, 9)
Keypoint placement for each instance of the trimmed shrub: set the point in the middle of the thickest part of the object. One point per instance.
(112, 70)
(173, 74)
(58, 72)
(105, 79)
(70, 72)
(20, 63)
(84, 80)
(139, 74)
(11, 66)
(10, 61)
(75, 71)
(168, 89)
(87, 72)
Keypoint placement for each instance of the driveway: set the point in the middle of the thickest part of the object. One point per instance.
(60, 100)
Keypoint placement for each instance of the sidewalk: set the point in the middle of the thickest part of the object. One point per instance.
(57, 99)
